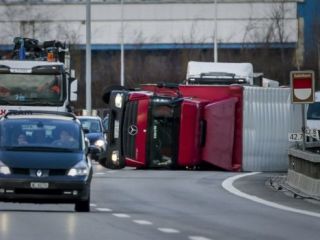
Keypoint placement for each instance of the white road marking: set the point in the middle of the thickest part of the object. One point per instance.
(121, 215)
(104, 209)
(93, 205)
(198, 238)
(168, 230)
(99, 173)
(228, 185)
(142, 222)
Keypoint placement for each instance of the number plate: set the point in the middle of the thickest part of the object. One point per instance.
(116, 129)
(39, 185)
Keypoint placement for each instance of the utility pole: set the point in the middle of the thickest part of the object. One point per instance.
(122, 48)
(215, 31)
(88, 57)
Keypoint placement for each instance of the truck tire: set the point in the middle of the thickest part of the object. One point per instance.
(103, 162)
(111, 165)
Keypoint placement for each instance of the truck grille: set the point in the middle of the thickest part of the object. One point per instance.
(129, 140)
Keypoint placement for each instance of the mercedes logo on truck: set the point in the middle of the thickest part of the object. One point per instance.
(133, 130)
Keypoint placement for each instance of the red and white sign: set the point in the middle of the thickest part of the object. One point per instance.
(302, 86)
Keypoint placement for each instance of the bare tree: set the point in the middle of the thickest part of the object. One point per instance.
(280, 34)
(68, 34)
(268, 33)
(23, 20)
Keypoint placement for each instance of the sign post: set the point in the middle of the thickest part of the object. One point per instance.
(302, 92)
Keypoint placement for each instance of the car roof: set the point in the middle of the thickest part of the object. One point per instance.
(89, 117)
(51, 115)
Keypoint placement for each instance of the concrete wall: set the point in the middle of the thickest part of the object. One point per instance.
(304, 171)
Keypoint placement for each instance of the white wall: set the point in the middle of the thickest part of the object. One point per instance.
(238, 22)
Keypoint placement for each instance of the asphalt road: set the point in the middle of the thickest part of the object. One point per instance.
(153, 205)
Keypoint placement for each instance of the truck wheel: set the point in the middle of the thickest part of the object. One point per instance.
(103, 162)
(82, 206)
(111, 165)
(107, 92)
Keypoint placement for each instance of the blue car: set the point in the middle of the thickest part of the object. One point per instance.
(96, 136)
(43, 159)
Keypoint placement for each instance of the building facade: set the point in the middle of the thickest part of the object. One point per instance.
(153, 24)
(160, 36)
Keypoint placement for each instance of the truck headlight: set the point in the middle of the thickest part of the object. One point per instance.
(115, 156)
(80, 169)
(5, 170)
(99, 143)
(118, 100)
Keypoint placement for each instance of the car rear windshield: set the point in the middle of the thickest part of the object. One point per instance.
(93, 125)
(314, 111)
(40, 133)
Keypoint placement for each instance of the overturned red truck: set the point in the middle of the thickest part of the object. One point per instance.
(217, 117)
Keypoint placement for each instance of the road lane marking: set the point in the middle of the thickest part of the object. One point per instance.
(104, 209)
(168, 230)
(121, 215)
(142, 222)
(198, 238)
(93, 205)
(227, 184)
(99, 173)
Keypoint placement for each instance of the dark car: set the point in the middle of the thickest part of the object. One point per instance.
(43, 159)
(96, 136)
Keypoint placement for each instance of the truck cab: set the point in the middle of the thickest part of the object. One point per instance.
(139, 117)
(37, 76)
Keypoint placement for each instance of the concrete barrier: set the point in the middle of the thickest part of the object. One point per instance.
(304, 171)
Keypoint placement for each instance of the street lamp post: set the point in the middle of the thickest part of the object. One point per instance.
(122, 48)
(88, 57)
(215, 31)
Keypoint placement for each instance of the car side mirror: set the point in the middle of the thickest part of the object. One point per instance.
(87, 145)
(105, 122)
(86, 131)
(94, 150)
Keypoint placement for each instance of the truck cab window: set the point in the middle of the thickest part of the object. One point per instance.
(163, 137)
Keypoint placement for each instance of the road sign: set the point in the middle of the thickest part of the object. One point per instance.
(295, 137)
(302, 86)
(298, 137)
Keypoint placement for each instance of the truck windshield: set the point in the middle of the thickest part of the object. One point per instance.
(164, 132)
(31, 89)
